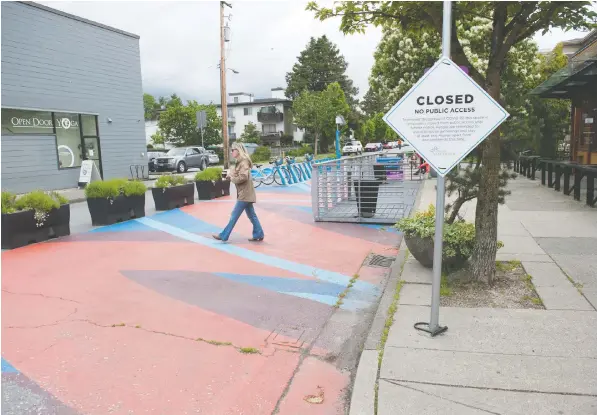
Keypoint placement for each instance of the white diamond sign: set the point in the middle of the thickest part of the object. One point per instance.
(445, 115)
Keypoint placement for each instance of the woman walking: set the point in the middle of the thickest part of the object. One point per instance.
(240, 175)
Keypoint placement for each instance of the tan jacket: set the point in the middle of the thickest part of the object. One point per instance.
(241, 177)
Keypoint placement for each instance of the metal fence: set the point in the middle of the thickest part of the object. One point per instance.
(371, 188)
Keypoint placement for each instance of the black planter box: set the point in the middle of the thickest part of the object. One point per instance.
(206, 190)
(110, 211)
(422, 250)
(20, 228)
(225, 187)
(173, 197)
(366, 192)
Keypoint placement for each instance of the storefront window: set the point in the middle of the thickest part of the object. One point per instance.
(26, 122)
(68, 137)
(76, 134)
(89, 126)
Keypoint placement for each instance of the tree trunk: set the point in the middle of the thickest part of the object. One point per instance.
(316, 145)
(486, 215)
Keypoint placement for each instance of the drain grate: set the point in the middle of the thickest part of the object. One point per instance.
(379, 261)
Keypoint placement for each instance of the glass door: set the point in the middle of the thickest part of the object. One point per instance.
(90, 141)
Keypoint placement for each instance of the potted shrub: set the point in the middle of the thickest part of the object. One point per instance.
(33, 217)
(419, 232)
(170, 192)
(206, 183)
(115, 200)
(222, 185)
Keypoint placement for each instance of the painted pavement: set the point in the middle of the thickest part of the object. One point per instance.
(153, 316)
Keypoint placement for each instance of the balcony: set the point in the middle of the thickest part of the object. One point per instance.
(270, 117)
(231, 119)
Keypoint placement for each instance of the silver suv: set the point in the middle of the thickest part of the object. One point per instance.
(183, 158)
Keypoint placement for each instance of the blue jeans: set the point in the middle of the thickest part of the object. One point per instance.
(239, 208)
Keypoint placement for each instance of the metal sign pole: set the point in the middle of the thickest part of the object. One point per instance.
(202, 138)
(434, 327)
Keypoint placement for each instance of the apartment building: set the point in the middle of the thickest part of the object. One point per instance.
(272, 116)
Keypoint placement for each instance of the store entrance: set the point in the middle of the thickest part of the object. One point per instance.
(90, 141)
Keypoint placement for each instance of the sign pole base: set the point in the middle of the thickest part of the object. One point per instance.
(427, 329)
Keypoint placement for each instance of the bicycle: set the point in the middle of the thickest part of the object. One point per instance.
(259, 175)
(280, 170)
(290, 161)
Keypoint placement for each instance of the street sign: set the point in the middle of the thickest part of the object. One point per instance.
(445, 115)
(201, 119)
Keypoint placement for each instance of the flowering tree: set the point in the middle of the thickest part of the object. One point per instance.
(511, 24)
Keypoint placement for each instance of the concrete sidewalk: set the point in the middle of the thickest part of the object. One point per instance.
(500, 361)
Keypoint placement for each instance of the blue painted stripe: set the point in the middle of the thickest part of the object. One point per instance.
(385, 228)
(286, 285)
(329, 276)
(180, 219)
(331, 300)
(128, 226)
(262, 201)
(7, 367)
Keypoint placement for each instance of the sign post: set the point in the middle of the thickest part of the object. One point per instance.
(444, 116)
(89, 173)
(201, 123)
(339, 121)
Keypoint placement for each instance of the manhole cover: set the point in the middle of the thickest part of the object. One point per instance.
(379, 261)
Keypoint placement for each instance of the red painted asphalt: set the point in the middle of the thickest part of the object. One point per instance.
(132, 320)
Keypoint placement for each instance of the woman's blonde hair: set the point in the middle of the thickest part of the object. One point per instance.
(242, 153)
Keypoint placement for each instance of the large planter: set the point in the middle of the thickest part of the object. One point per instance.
(168, 198)
(366, 192)
(225, 187)
(110, 211)
(422, 250)
(206, 190)
(21, 228)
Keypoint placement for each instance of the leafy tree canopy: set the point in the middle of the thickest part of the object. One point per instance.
(318, 66)
(251, 134)
(317, 111)
(178, 123)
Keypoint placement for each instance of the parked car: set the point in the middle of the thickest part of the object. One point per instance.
(213, 157)
(183, 158)
(151, 156)
(372, 147)
(388, 146)
(353, 147)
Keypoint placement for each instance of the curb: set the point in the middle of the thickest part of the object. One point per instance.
(362, 401)
(363, 394)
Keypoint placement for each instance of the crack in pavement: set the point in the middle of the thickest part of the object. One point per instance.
(396, 382)
(41, 295)
(491, 353)
(443, 398)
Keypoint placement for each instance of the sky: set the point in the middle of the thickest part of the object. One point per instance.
(180, 43)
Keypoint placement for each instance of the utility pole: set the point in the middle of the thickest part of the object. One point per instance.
(223, 86)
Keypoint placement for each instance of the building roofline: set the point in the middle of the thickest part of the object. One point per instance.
(279, 88)
(80, 19)
(239, 93)
(263, 101)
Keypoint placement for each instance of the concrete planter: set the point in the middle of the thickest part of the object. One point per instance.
(422, 250)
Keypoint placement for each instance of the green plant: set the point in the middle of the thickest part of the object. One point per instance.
(8, 202)
(169, 181)
(41, 203)
(211, 174)
(261, 154)
(299, 152)
(458, 237)
(110, 189)
(249, 350)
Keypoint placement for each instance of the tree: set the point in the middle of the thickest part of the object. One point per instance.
(376, 130)
(149, 105)
(318, 66)
(250, 134)
(158, 139)
(178, 123)
(511, 23)
(317, 112)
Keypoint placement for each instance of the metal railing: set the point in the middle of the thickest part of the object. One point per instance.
(372, 188)
(555, 171)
